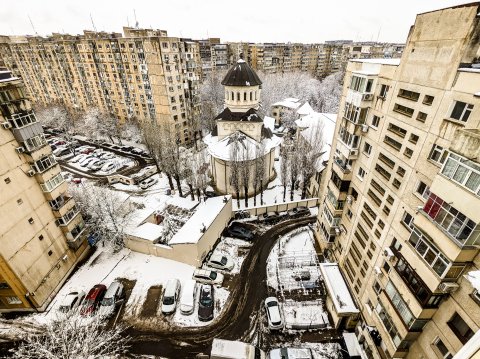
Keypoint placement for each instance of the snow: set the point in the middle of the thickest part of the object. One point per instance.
(231, 247)
(353, 346)
(305, 109)
(292, 103)
(477, 94)
(474, 278)
(394, 62)
(148, 231)
(269, 122)
(204, 215)
(240, 61)
(468, 69)
(305, 315)
(337, 289)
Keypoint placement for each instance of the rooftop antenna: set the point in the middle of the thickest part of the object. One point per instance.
(31, 23)
(136, 22)
(93, 24)
(380, 29)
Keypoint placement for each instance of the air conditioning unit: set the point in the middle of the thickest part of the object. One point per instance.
(367, 97)
(387, 253)
(349, 199)
(20, 149)
(448, 287)
(365, 128)
(337, 231)
(31, 172)
(6, 125)
(353, 152)
(64, 258)
(378, 271)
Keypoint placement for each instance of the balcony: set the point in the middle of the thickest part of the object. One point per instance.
(74, 242)
(466, 142)
(60, 208)
(342, 168)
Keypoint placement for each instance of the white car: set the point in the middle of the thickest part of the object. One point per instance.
(221, 261)
(87, 161)
(78, 158)
(108, 167)
(170, 296)
(92, 162)
(87, 158)
(274, 316)
(148, 183)
(72, 301)
(97, 165)
(208, 276)
(98, 152)
(107, 156)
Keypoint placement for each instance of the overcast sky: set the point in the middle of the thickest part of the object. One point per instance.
(304, 21)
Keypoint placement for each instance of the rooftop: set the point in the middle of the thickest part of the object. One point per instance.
(393, 62)
(228, 115)
(337, 289)
(241, 74)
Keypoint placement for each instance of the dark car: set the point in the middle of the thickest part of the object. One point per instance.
(206, 303)
(239, 231)
(126, 148)
(115, 147)
(93, 300)
(269, 217)
(298, 212)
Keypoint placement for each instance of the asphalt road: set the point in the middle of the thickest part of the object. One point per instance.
(234, 322)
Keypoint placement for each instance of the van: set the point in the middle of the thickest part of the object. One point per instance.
(291, 353)
(228, 349)
(170, 296)
(113, 297)
(187, 299)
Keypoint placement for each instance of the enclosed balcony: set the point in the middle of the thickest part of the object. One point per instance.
(343, 167)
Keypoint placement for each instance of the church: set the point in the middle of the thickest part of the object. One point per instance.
(240, 137)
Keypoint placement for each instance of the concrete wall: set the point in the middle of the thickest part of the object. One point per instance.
(280, 207)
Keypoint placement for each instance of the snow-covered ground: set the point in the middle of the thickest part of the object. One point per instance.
(233, 247)
(305, 315)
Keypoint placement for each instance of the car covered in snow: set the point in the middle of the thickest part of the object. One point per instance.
(114, 296)
(108, 167)
(87, 161)
(97, 165)
(299, 211)
(78, 158)
(206, 303)
(187, 298)
(136, 151)
(107, 156)
(71, 301)
(170, 296)
(221, 261)
(238, 230)
(290, 353)
(92, 300)
(269, 217)
(149, 182)
(274, 316)
(207, 276)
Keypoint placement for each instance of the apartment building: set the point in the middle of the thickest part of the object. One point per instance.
(42, 233)
(401, 206)
(142, 75)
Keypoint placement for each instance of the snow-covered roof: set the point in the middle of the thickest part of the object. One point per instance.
(474, 278)
(337, 289)
(292, 353)
(269, 122)
(305, 109)
(353, 346)
(221, 149)
(469, 69)
(204, 215)
(393, 62)
(290, 102)
(148, 231)
(221, 347)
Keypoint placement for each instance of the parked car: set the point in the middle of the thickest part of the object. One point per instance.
(107, 144)
(114, 296)
(290, 353)
(107, 156)
(274, 317)
(78, 158)
(76, 180)
(71, 301)
(207, 276)
(269, 217)
(115, 147)
(238, 231)
(170, 296)
(92, 162)
(126, 148)
(87, 161)
(93, 300)
(63, 153)
(97, 165)
(98, 152)
(87, 150)
(300, 275)
(136, 151)
(206, 303)
(187, 298)
(221, 261)
(148, 183)
(298, 212)
(108, 167)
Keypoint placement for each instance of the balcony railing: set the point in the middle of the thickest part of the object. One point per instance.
(343, 165)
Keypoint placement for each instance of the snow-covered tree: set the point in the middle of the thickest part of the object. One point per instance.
(258, 172)
(245, 169)
(330, 93)
(196, 171)
(105, 211)
(285, 166)
(235, 165)
(73, 337)
(212, 99)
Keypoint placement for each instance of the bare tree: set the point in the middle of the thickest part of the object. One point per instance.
(285, 167)
(171, 156)
(196, 171)
(73, 337)
(258, 172)
(245, 168)
(235, 164)
(212, 99)
(105, 211)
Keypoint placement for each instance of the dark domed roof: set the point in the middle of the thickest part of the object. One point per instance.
(251, 115)
(241, 74)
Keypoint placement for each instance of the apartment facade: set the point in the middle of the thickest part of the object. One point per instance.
(400, 211)
(42, 234)
(143, 75)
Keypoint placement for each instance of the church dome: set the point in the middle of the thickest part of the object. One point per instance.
(241, 74)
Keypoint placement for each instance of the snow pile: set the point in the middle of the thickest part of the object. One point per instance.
(305, 315)
(474, 278)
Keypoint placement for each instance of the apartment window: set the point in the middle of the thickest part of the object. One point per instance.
(390, 199)
(444, 352)
(428, 100)
(399, 304)
(386, 160)
(4, 285)
(401, 171)
(30, 220)
(357, 83)
(52, 183)
(437, 154)
(375, 121)
(460, 328)
(19, 201)
(361, 173)
(45, 163)
(423, 190)
(461, 111)
(383, 91)
(13, 300)
(408, 152)
(376, 287)
(7, 180)
(367, 148)
(393, 143)
(409, 95)
(463, 171)
(50, 253)
(349, 214)
(383, 172)
(377, 186)
(455, 223)
(421, 116)
(404, 110)
(413, 138)
(355, 114)
(397, 130)
(40, 237)
(396, 183)
(388, 324)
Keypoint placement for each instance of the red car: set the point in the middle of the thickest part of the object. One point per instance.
(92, 300)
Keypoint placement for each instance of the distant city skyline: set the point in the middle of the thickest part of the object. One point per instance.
(303, 21)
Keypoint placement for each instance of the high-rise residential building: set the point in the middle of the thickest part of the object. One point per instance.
(144, 74)
(42, 233)
(401, 206)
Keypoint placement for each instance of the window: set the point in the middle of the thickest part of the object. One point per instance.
(423, 190)
(409, 95)
(397, 130)
(460, 328)
(437, 154)
(408, 152)
(13, 300)
(375, 121)
(442, 349)
(413, 138)
(462, 171)
(385, 174)
(19, 201)
(461, 111)
(393, 143)
(386, 160)
(50, 253)
(396, 183)
(7, 180)
(428, 100)
(40, 237)
(388, 324)
(349, 214)
(30, 220)
(401, 171)
(399, 304)
(367, 148)
(376, 287)
(383, 91)
(355, 114)
(361, 173)
(421, 116)
(357, 83)
(404, 110)
(4, 285)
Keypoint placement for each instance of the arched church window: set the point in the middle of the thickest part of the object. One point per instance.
(233, 97)
(244, 96)
(238, 96)
(256, 95)
(251, 95)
